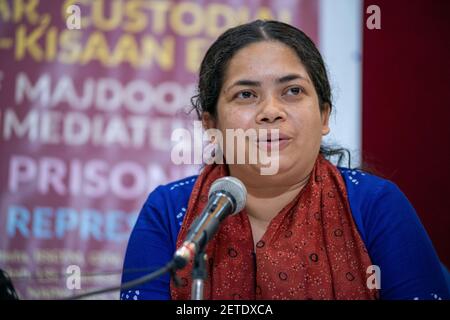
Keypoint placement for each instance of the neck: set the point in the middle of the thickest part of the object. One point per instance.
(271, 191)
(268, 195)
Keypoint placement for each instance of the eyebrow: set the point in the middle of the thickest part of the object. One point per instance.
(290, 77)
(253, 83)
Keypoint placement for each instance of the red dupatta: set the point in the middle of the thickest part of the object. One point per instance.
(310, 250)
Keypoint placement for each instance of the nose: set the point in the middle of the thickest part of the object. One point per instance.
(271, 111)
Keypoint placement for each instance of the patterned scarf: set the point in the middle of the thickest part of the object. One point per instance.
(310, 250)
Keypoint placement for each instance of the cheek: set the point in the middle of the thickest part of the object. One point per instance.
(308, 125)
(231, 118)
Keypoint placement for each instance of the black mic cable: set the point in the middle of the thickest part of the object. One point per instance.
(169, 267)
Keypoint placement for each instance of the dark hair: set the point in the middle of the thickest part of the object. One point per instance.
(218, 56)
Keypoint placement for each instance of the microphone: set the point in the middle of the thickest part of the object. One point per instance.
(227, 196)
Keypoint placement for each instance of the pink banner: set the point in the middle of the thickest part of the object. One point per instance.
(90, 94)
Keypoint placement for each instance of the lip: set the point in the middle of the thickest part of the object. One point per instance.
(281, 136)
(280, 143)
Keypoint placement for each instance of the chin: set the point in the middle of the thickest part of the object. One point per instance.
(276, 169)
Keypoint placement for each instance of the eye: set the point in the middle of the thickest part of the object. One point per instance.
(244, 95)
(294, 91)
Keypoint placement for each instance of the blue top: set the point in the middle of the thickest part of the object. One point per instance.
(387, 222)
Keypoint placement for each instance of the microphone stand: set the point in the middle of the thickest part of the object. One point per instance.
(199, 275)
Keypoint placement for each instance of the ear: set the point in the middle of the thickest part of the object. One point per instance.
(208, 121)
(325, 116)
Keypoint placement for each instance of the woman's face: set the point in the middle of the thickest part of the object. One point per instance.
(267, 87)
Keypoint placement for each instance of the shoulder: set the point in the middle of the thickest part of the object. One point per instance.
(155, 233)
(371, 196)
(172, 191)
(168, 203)
(394, 237)
(361, 184)
(379, 207)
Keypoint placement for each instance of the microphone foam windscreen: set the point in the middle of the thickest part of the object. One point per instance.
(234, 187)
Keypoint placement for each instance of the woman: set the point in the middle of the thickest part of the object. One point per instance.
(310, 231)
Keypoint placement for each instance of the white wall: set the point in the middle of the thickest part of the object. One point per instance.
(340, 34)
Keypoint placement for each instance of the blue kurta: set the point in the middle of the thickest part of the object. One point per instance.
(388, 224)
